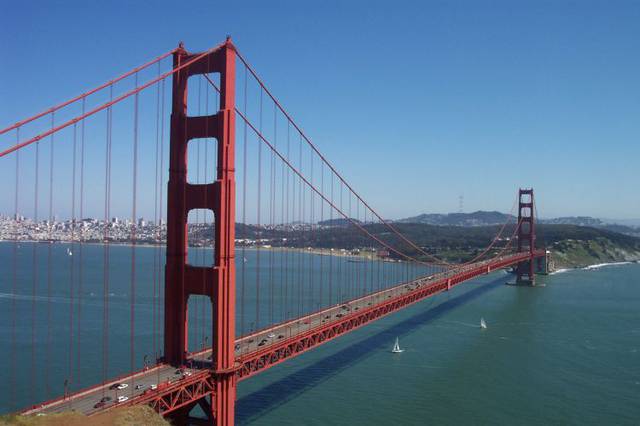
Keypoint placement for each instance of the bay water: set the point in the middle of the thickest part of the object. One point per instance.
(564, 352)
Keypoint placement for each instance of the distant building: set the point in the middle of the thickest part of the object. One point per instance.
(383, 253)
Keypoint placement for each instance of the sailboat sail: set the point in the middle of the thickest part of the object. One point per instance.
(396, 348)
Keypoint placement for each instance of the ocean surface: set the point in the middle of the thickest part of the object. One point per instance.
(565, 352)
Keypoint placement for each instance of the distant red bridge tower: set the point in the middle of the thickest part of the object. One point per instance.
(526, 236)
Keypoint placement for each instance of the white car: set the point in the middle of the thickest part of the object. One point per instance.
(154, 387)
(122, 386)
(123, 398)
(186, 374)
(271, 335)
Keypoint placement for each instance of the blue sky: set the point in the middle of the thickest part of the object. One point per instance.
(415, 103)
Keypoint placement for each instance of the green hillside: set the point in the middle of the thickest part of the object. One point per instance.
(571, 245)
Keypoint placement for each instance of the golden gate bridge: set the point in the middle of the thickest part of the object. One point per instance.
(235, 156)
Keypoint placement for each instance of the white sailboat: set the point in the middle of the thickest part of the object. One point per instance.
(69, 252)
(482, 323)
(396, 348)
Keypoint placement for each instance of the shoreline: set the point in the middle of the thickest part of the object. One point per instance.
(308, 250)
(602, 265)
(340, 253)
(593, 267)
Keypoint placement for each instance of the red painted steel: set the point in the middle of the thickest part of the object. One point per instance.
(77, 119)
(87, 93)
(174, 396)
(256, 362)
(526, 235)
(179, 394)
(182, 279)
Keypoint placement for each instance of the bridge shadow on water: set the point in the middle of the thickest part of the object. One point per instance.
(278, 393)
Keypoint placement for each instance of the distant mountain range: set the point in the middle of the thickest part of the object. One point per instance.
(479, 218)
(487, 218)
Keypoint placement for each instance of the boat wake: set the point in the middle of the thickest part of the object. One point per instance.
(560, 271)
(602, 265)
(466, 324)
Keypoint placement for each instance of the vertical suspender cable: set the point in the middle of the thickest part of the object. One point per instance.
(283, 214)
(34, 267)
(12, 380)
(244, 212)
(341, 265)
(351, 274)
(80, 247)
(49, 260)
(105, 237)
(300, 258)
(367, 262)
(156, 221)
(319, 230)
(285, 209)
(293, 304)
(331, 254)
(71, 252)
(311, 256)
(134, 230)
(372, 260)
(360, 264)
(272, 160)
(259, 229)
(158, 300)
(108, 267)
(295, 254)
(282, 278)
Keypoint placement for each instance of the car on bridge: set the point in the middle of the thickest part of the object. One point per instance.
(122, 398)
(118, 386)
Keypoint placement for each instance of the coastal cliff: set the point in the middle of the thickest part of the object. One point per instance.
(572, 253)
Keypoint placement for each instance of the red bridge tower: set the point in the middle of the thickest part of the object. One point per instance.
(181, 279)
(526, 236)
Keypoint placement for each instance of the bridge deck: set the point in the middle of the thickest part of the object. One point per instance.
(268, 347)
